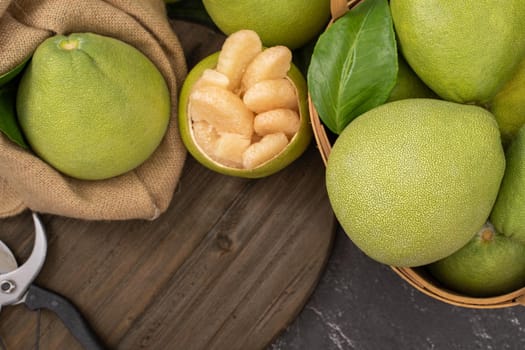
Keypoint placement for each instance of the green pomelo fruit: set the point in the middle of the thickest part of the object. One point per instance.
(508, 106)
(508, 214)
(408, 84)
(490, 264)
(91, 106)
(293, 150)
(291, 23)
(463, 50)
(412, 181)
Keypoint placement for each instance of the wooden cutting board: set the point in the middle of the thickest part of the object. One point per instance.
(228, 266)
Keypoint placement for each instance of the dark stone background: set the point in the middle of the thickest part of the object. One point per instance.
(361, 304)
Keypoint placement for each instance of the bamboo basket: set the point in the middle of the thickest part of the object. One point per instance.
(417, 277)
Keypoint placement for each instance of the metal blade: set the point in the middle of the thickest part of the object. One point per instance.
(7, 259)
(14, 283)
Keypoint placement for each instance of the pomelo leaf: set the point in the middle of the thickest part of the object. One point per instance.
(10, 75)
(354, 64)
(8, 121)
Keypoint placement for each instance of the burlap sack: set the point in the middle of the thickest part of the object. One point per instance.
(28, 182)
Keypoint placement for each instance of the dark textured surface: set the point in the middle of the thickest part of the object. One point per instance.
(361, 304)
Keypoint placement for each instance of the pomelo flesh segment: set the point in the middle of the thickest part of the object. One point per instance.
(229, 149)
(238, 50)
(272, 63)
(271, 94)
(276, 120)
(222, 109)
(211, 77)
(264, 150)
(205, 135)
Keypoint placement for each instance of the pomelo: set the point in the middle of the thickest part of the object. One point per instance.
(490, 264)
(92, 106)
(291, 23)
(412, 181)
(508, 106)
(465, 51)
(408, 84)
(508, 214)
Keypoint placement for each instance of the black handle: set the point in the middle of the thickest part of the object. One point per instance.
(40, 298)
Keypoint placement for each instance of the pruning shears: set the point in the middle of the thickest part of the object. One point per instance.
(16, 287)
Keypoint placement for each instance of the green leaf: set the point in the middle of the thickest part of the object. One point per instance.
(10, 75)
(354, 64)
(8, 121)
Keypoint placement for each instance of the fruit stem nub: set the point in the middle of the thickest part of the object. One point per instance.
(486, 234)
(69, 44)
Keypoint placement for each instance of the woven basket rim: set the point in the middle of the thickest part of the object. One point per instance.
(408, 274)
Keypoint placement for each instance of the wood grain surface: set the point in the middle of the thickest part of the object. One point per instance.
(228, 266)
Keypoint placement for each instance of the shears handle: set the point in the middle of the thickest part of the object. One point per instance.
(40, 298)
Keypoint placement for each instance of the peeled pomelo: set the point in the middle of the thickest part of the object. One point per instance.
(92, 106)
(412, 181)
(241, 113)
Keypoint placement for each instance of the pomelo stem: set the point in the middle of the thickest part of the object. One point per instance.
(69, 44)
(487, 234)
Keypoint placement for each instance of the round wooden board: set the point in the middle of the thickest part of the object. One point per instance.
(228, 266)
